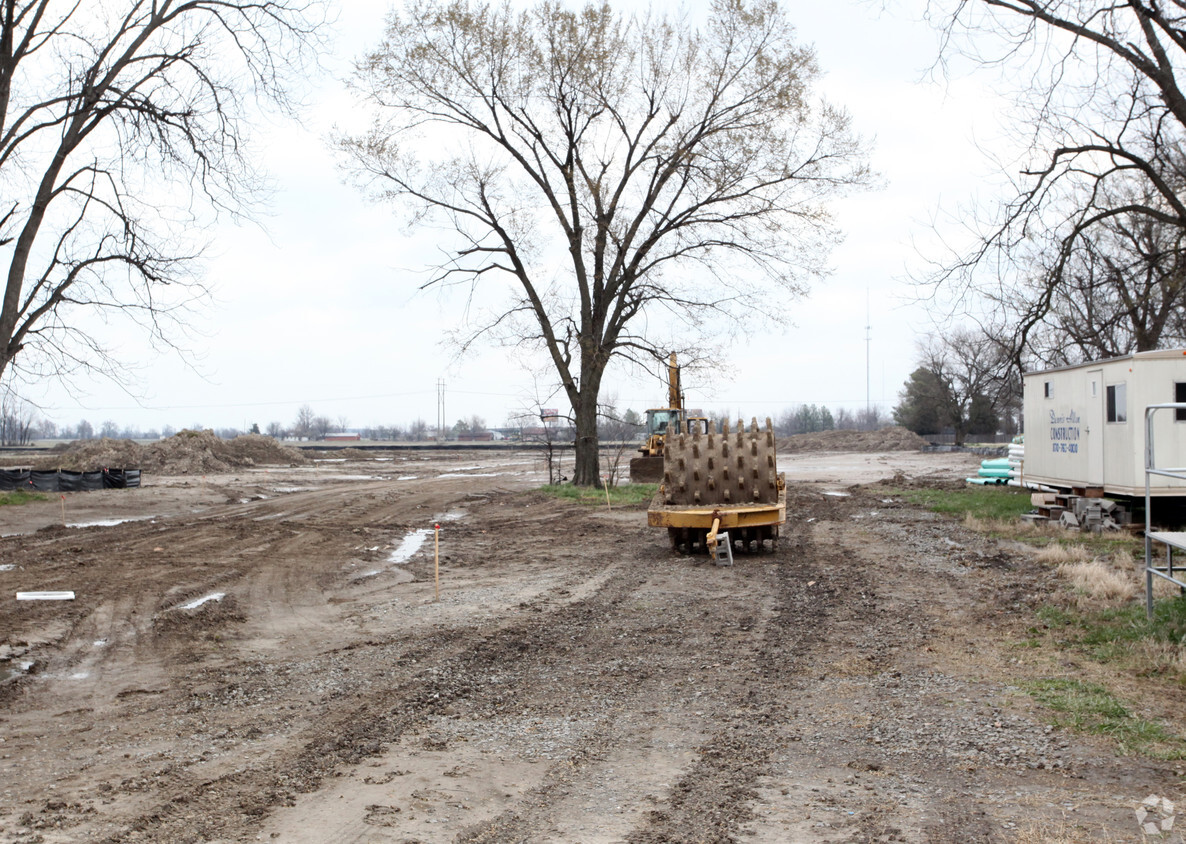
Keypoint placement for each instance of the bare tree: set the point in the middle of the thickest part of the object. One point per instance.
(306, 422)
(612, 171)
(17, 418)
(1105, 116)
(963, 380)
(1123, 290)
(618, 433)
(871, 419)
(122, 132)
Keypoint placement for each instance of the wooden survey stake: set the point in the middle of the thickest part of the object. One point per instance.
(436, 561)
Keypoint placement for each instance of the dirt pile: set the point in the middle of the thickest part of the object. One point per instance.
(186, 453)
(887, 439)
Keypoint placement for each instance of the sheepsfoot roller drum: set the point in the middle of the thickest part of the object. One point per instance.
(720, 481)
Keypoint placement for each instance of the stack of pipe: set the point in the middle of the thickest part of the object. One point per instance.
(995, 471)
(1003, 470)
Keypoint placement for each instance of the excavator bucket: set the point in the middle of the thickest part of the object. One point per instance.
(646, 470)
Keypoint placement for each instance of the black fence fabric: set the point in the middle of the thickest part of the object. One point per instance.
(66, 481)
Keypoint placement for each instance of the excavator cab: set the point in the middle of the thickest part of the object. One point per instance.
(662, 420)
(659, 420)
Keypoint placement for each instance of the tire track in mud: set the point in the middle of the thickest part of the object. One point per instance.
(712, 801)
(741, 716)
(459, 670)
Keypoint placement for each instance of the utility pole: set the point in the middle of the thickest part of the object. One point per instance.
(440, 410)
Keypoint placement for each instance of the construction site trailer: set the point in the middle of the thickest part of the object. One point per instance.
(1085, 424)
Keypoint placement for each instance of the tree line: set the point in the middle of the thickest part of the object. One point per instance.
(607, 172)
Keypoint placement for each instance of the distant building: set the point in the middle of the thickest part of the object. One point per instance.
(337, 438)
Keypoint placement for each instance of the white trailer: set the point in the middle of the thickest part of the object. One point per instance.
(1085, 424)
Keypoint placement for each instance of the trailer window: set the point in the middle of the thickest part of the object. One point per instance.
(1117, 403)
(1180, 396)
(1047, 389)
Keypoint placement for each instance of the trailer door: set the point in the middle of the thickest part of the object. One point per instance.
(1095, 428)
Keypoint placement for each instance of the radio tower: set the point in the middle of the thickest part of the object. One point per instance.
(868, 342)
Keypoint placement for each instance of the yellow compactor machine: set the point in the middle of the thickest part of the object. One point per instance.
(717, 482)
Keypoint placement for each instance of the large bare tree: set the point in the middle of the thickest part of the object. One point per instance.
(1099, 206)
(122, 134)
(608, 172)
(1123, 290)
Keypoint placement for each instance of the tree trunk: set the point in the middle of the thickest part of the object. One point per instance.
(587, 461)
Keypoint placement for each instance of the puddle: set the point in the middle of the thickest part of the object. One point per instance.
(451, 516)
(194, 604)
(17, 669)
(472, 474)
(98, 643)
(81, 675)
(290, 489)
(838, 494)
(398, 575)
(406, 478)
(108, 522)
(8, 567)
(45, 596)
(411, 544)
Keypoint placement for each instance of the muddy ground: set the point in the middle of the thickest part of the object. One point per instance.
(259, 656)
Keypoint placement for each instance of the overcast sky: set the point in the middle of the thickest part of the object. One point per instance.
(319, 305)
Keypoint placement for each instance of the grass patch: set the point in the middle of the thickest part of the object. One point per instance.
(1090, 708)
(623, 495)
(19, 497)
(1119, 625)
(995, 503)
(996, 511)
(1122, 636)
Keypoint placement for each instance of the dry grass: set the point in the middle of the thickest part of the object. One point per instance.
(1099, 583)
(1160, 656)
(1012, 528)
(1058, 554)
(1058, 832)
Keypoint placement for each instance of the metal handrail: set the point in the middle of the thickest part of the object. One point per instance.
(1151, 469)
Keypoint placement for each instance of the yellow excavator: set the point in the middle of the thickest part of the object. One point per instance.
(661, 423)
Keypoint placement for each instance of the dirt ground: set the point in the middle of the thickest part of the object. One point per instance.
(259, 656)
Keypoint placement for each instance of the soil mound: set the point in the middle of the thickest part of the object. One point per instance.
(887, 439)
(186, 453)
(93, 455)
